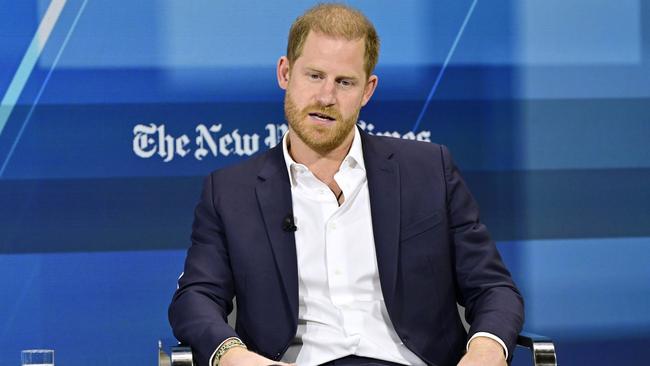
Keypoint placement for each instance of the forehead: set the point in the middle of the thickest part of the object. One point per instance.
(332, 54)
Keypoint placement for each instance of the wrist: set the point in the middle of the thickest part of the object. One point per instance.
(228, 349)
(490, 336)
(484, 345)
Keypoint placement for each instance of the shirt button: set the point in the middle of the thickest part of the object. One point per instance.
(333, 226)
(337, 272)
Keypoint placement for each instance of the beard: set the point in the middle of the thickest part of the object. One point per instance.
(322, 139)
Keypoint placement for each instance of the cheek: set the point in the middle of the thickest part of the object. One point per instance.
(303, 96)
(302, 87)
(351, 104)
(362, 99)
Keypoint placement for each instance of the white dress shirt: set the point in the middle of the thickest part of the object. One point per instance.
(341, 309)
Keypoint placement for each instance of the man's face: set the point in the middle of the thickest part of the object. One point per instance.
(325, 89)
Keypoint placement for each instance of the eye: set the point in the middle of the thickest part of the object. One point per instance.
(313, 76)
(346, 83)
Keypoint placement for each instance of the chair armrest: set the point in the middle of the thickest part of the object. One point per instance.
(172, 353)
(542, 348)
(181, 355)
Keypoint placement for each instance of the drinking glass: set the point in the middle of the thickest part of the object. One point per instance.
(37, 357)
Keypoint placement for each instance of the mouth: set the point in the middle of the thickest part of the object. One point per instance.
(322, 117)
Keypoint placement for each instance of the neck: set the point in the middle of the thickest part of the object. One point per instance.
(322, 165)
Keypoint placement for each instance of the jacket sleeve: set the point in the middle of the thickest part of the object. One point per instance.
(199, 309)
(486, 290)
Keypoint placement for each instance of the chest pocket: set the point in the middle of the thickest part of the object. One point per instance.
(421, 225)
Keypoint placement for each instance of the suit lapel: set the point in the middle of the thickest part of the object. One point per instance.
(384, 189)
(274, 197)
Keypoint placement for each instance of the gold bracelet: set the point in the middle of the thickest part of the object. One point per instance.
(225, 347)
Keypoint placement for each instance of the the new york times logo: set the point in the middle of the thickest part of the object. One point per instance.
(152, 141)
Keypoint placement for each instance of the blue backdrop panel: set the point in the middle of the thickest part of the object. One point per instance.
(105, 308)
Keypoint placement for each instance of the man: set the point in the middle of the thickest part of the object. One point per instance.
(342, 248)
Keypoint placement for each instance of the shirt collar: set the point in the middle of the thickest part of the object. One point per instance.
(354, 158)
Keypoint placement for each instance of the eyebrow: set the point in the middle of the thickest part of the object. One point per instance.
(348, 77)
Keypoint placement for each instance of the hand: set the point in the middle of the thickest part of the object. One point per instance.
(239, 356)
(484, 351)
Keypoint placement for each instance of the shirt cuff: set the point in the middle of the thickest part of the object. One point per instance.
(219, 346)
(491, 336)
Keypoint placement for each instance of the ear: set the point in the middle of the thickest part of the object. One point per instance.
(369, 89)
(283, 72)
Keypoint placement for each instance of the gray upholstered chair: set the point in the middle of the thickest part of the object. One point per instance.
(541, 348)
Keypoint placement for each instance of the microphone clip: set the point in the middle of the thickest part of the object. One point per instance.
(288, 224)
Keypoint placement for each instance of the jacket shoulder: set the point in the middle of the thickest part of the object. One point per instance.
(243, 171)
(410, 151)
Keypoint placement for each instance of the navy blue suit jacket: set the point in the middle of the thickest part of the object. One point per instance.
(432, 252)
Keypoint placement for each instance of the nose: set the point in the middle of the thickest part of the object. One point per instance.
(327, 93)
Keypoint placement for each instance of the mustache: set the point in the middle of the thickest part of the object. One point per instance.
(327, 110)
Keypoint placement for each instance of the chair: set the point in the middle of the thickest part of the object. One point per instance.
(541, 348)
